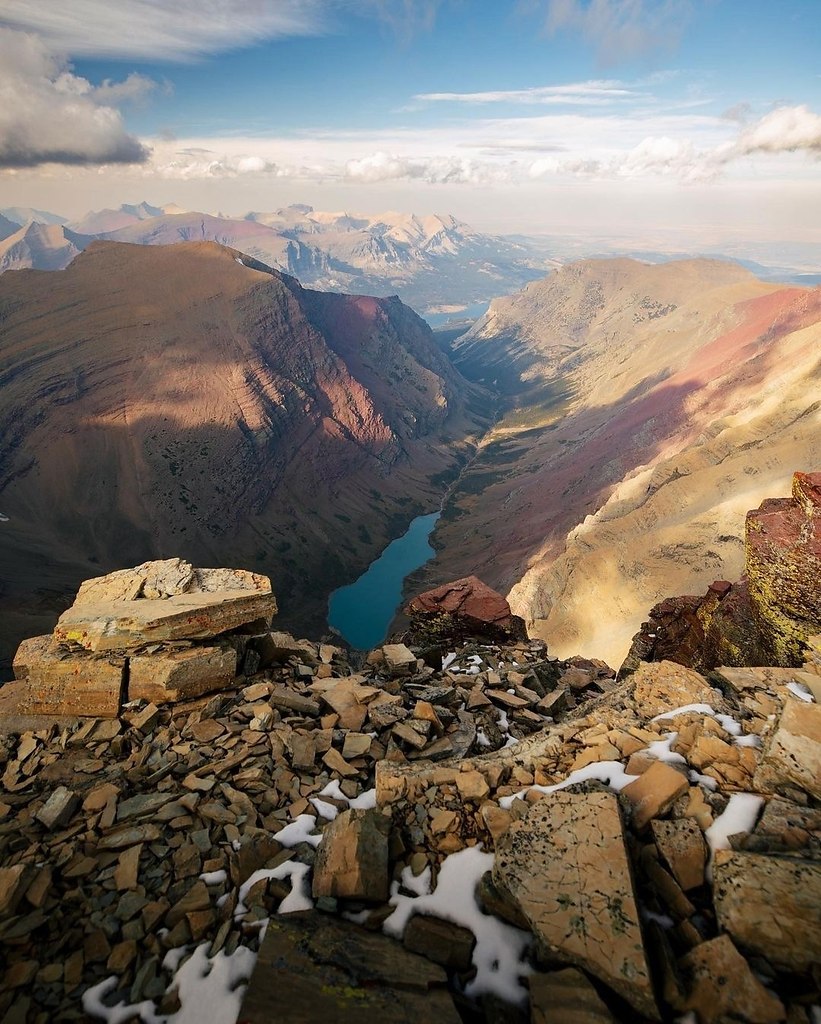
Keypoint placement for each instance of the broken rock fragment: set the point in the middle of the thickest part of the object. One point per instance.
(352, 858)
(565, 865)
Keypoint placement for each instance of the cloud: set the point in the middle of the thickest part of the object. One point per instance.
(196, 162)
(405, 17)
(381, 166)
(49, 115)
(579, 93)
(784, 130)
(620, 30)
(157, 29)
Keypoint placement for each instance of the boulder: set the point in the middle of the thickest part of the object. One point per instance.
(352, 858)
(663, 686)
(793, 755)
(465, 607)
(722, 987)
(567, 997)
(56, 682)
(565, 865)
(653, 792)
(770, 906)
(172, 675)
(159, 601)
(312, 967)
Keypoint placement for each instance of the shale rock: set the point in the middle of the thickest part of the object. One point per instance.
(140, 605)
(461, 609)
(352, 859)
(722, 986)
(315, 968)
(793, 755)
(566, 996)
(770, 906)
(565, 865)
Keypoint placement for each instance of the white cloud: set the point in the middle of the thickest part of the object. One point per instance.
(197, 163)
(381, 166)
(581, 93)
(157, 29)
(786, 129)
(620, 30)
(49, 115)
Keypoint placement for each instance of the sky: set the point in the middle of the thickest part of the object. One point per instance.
(689, 120)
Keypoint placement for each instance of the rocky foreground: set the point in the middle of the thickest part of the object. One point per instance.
(453, 827)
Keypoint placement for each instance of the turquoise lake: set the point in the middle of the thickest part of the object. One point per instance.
(362, 611)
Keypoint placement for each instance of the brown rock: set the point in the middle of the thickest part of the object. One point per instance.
(112, 612)
(13, 882)
(771, 906)
(565, 865)
(180, 675)
(57, 683)
(313, 967)
(793, 754)
(565, 997)
(472, 785)
(722, 986)
(465, 606)
(662, 686)
(59, 809)
(352, 857)
(654, 791)
(440, 941)
(399, 658)
(681, 844)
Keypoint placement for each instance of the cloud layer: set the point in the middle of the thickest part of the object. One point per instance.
(49, 115)
(157, 29)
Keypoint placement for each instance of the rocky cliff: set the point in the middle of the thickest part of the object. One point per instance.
(156, 400)
(648, 407)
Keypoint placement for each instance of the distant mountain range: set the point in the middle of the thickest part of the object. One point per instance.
(433, 263)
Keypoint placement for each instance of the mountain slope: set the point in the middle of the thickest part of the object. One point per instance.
(42, 246)
(186, 400)
(621, 377)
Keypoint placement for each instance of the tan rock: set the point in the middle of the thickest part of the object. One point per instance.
(654, 792)
(352, 857)
(793, 755)
(663, 686)
(709, 750)
(399, 658)
(337, 763)
(472, 785)
(565, 865)
(497, 821)
(681, 844)
(13, 883)
(58, 683)
(133, 606)
(770, 906)
(722, 986)
(567, 997)
(180, 675)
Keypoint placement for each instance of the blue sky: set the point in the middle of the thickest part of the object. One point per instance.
(687, 116)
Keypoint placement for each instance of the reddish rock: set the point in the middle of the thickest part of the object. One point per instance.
(464, 607)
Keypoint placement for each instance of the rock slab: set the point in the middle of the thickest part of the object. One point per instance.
(565, 865)
(312, 967)
(352, 859)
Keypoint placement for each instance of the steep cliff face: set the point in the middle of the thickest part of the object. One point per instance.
(769, 615)
(180, 399)
(650, 407)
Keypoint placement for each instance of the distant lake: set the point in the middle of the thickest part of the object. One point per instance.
(362, 611)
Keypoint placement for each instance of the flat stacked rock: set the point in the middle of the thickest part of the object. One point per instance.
(461, 610)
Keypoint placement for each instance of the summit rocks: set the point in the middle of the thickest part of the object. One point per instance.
(463, 608)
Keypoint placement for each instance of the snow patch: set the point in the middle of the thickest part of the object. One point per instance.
(740, 815)
(500, 948)
(610, 772)
(801, 691)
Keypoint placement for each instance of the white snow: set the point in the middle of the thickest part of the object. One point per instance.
(702, 780)
(448, 660)
(801, 691)
(740, 815)
(417, 884)
(610, 772)
(749, 740)
(499, 947)
(210, 989)
(660, 749)
(299, 898)
(239, 261)
(301, 830)
(685, 709)
(214, 877)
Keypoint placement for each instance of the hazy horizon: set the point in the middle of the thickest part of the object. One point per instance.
(673, 124)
